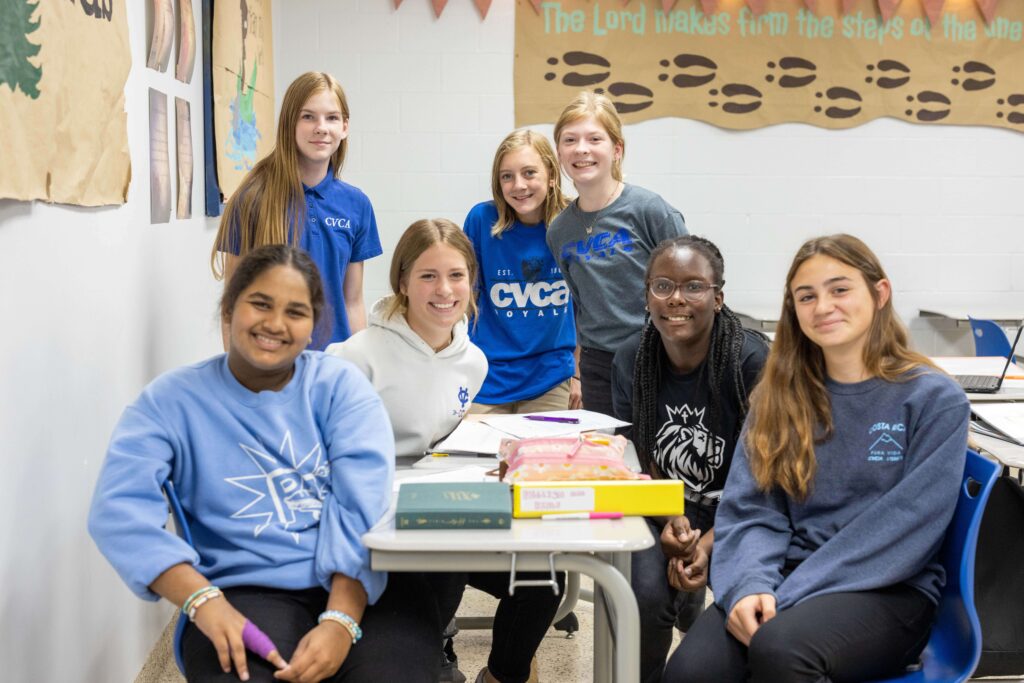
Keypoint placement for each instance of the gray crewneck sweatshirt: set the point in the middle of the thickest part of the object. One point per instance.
(883, 494)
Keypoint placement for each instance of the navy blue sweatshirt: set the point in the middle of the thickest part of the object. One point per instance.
(883, 494)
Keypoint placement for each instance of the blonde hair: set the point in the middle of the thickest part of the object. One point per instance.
(554, 200)
(790, 409)
(586, 104)
(416, 239)
(270, 199)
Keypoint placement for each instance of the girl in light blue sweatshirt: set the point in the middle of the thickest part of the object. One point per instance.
(825, 560)
(282, 459)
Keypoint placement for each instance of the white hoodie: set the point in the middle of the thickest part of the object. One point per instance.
(425, 393)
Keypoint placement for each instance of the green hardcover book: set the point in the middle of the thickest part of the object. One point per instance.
(452, 505)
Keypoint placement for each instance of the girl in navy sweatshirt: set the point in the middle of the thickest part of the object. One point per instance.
(825, 556)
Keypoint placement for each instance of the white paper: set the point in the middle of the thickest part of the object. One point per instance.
(470, 473)
(1008, 418)
(471, 437)
(522, 428)
(548, 499)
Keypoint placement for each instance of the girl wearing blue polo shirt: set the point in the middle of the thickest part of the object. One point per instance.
(525, 326)
(294, 196)
(282, 459)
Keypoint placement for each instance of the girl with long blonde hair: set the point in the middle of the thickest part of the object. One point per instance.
(526, 326)
(295, 196)
(825, 559)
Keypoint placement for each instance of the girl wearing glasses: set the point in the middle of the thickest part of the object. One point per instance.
(683, 383)
(602, 240)
(841, 490)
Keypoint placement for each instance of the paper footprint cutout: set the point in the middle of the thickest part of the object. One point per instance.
(840, 96)
(696, 70)
(888, 66)
(577, 79)
(973, 84)
(931, 114)
(790, 80)
(617, 90)
(738, 90)
(1014, 100)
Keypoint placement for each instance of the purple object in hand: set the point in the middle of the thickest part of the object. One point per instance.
(256, 640)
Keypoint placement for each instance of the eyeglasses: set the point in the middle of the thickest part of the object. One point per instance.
(693, 291)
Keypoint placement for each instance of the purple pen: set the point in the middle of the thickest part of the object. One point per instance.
(551, 418)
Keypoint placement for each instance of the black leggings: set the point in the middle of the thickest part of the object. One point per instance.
(399, 640)
(596, 379)
(841, 638)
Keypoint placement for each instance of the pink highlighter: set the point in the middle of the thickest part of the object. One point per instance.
(582, 515)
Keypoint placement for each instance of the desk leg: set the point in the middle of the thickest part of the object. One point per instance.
(616, 653)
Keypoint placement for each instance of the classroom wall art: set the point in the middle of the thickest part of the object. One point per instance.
(159, 160)
(183, 136)
(243, 88)
(163, 33)
(836, 67)
(63, 67)
(186, 42)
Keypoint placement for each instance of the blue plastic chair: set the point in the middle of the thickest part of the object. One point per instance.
(954, 647)
(989, 338)
(186, 535)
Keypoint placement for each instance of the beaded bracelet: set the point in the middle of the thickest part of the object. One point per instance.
(192, 598)
(200, 601)
(345, 620)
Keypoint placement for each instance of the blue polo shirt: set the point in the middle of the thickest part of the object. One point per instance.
(340, 229)
(525, 327)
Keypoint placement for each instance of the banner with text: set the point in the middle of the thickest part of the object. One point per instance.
(737, 69)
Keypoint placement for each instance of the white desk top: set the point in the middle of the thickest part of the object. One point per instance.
(1013, 387)
(526, 535)
(1003, 315)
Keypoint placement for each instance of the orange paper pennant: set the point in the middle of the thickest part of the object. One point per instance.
(888, 8)
(848, 5)
(536, 5)
(439, 6)
(757, 6)
(988, 9)
(812, 5)
(667, 5)
(398, 3)
(933, 8)
(709, 6)
(483, 6)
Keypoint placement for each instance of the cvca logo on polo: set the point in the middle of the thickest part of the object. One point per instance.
(538, 294)
(345, 223)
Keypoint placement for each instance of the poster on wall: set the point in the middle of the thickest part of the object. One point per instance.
(186, 42)
(243, 88)
(63, 67)
(159, 161)
(838, 67)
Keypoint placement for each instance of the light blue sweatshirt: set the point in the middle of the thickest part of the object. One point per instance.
(882, 497)
(278, 487)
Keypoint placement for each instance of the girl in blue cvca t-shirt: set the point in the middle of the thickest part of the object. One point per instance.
(282, 459)
(294, 196)
(525, 326)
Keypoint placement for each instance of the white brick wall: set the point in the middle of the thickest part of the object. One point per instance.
(433, 97)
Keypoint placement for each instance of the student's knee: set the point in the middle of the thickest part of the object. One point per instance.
(694, 665)
(775, 654)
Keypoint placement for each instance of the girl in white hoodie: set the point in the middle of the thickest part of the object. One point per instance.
(417, 354)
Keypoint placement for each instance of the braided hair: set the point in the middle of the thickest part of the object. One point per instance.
(721, 364)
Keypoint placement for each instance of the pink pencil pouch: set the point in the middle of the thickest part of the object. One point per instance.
(565, 458)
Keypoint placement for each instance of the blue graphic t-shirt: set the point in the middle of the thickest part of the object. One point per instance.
(340, 228)
(603, 255)
(525, 327)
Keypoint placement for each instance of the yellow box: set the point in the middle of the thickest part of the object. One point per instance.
(630, 497)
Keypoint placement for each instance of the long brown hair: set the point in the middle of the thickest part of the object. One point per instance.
(416, 239)
(554, 201)
(790, 409)
(270, 199)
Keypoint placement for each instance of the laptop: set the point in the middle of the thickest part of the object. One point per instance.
(988, 384)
